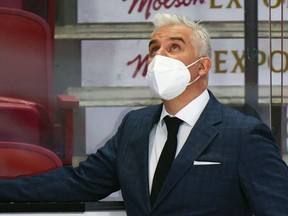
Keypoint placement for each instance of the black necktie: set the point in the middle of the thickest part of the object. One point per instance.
(167, 156)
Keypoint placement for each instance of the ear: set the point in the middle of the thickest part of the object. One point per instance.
(204, 66)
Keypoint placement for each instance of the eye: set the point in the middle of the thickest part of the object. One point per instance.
(174, 47)
(153, 50)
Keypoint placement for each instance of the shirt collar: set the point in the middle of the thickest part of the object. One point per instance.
(196, 106)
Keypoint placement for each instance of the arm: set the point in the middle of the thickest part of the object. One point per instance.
(263, 174)
(94, 179)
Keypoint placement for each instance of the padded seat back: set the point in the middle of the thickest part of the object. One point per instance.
(21, 159)
(25, 57)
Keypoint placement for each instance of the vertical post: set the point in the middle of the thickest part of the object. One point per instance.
(251, 53)
(66, 12)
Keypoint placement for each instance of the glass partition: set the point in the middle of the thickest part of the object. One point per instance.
(100, 56)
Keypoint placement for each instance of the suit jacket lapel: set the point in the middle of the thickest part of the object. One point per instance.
(142, 152)
(199, 139)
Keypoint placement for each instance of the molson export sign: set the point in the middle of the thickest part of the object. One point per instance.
(124, 62)
(144, 10)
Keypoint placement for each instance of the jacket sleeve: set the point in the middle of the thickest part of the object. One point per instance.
(94, 179)
(263, 174)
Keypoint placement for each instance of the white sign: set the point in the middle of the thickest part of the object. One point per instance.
(124, 62)
(99, 11)
(101, 124)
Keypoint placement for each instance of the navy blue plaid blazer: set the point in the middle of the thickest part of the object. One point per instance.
(229, 165)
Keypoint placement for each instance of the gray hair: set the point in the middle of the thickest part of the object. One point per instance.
(199, 37)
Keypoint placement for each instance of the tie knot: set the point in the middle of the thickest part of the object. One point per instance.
(172, 124)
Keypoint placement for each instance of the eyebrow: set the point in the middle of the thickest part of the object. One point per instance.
(171, 38)
(178, 39)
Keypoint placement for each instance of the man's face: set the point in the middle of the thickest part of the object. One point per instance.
(174, 42)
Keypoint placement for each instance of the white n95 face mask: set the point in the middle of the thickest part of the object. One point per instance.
(168, 77)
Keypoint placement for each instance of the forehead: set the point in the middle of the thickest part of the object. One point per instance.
(172, 31)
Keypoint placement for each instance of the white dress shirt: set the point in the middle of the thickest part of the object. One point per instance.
(158, 135)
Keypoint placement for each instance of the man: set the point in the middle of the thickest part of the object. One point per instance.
(225, 163)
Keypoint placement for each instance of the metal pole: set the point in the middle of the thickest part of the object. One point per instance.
(251, 53)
